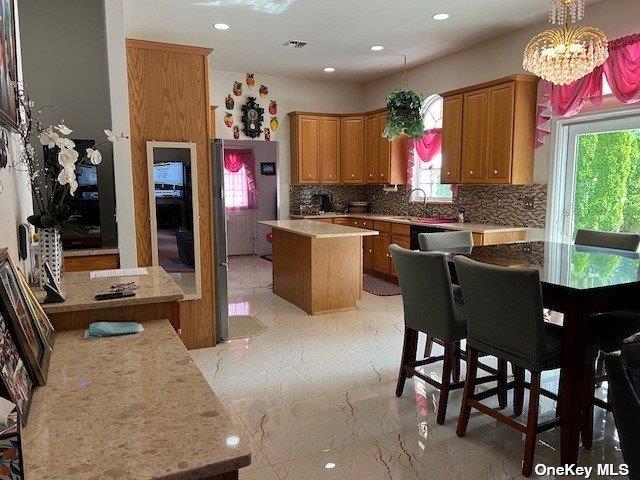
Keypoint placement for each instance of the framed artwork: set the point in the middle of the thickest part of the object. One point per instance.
(9, 111)
(267, 168)
(15, 378)
(36, 352)
(43, 324)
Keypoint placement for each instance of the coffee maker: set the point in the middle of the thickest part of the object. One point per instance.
(324, 200)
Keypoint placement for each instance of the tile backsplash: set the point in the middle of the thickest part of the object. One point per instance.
(512, 205)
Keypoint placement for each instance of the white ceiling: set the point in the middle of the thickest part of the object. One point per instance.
(339, 32)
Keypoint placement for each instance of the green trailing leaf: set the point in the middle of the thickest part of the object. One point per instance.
(405, 114)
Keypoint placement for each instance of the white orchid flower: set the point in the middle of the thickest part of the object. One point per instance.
(73, 186)
(49, 138)
(111, 136)
(63, 129)
(68, 159)
(66, 177)
(94, 156)
(65, 143)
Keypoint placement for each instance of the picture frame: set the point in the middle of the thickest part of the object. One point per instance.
(35, 351)
(267, 168)
(45, 328)
(9, 109)
(17, 383)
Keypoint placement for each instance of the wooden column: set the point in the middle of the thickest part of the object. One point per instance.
(169, 101)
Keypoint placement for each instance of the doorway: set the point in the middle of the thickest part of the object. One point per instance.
(595, 182)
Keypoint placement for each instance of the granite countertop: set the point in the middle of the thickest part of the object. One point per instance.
(314, 229)
(156, 287)
(128, 407)
(89, 252)
(473, 226)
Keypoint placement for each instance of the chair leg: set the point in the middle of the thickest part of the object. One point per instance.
(559, 400)
(428, 347)
(502, 383)
(469, 391)
(532, 425)
(518, 391)
(455, 372)
(446, 383)
(409, 351)
(587, 400)
(600, 370)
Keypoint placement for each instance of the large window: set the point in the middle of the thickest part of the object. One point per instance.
(426, 175)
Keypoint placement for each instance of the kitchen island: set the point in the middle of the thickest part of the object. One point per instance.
(317, 266)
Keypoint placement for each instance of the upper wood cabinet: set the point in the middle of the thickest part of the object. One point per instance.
(488, 132)
(347, 149)
(372, 148)
(330, 149)
(452, 139)
(353, 133)
(315, 149)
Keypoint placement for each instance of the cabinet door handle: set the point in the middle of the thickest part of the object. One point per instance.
(448, 173)
(370, 251)
(387, 255)
(470, 172)
(353, 175)
(495, 172)
(309, 175)
(330, 176)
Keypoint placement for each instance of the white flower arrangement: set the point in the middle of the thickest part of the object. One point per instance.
(52, 182)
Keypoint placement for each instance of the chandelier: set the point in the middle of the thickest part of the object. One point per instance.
(566, 54)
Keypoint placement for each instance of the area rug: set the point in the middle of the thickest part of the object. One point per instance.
(378, 286)
(244, 326)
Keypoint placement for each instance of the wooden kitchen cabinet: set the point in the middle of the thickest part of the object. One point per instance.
(353, 136)
(384, 152)
(367, 253)
(372, 148)
(451, 139)
(403, 241)
(330, 149)
(489, 130)
(381, 257)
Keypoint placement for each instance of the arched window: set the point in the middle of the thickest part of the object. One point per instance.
(426, 175)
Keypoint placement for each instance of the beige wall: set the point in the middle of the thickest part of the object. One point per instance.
(291, 94)
(500, 57)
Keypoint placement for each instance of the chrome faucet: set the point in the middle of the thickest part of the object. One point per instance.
(424, 194)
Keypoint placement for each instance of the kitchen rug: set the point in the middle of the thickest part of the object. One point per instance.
(378, 286)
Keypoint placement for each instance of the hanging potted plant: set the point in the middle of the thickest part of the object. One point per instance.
(405, 112)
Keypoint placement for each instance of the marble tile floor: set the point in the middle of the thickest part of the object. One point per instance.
(316, 396)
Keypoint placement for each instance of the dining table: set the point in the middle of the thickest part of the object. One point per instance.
(577, 281)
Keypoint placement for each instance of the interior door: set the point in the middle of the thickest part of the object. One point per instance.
(501, 101)
(240, 232)
(474, 136)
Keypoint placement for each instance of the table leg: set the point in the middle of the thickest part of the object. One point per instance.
(573, 366)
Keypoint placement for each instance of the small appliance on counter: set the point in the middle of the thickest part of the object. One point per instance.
(306, 210)
(322, 199)
(358, 207)
(340, 207)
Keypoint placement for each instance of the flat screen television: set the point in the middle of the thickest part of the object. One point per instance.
(169, 179)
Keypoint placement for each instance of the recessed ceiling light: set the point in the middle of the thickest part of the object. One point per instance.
(329, 465)
(377, 48)
(329, 69)
(221, 26)
(233, 441)
(441, 16)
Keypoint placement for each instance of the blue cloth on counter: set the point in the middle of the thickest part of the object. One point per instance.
(111, 329)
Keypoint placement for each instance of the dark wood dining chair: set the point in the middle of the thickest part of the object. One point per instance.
(505, 318)
(430, 307)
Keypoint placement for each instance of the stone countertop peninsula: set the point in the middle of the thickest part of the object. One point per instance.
(155, 287)
(473, 226)
(313, 229)
(131, 407)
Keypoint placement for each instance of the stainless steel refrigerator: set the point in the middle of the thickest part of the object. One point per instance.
(220, 240)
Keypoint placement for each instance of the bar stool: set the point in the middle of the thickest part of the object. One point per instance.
(505, 318)
(429, 307)
(442, 242)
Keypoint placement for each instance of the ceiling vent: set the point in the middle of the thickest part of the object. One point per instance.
(294, 44)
